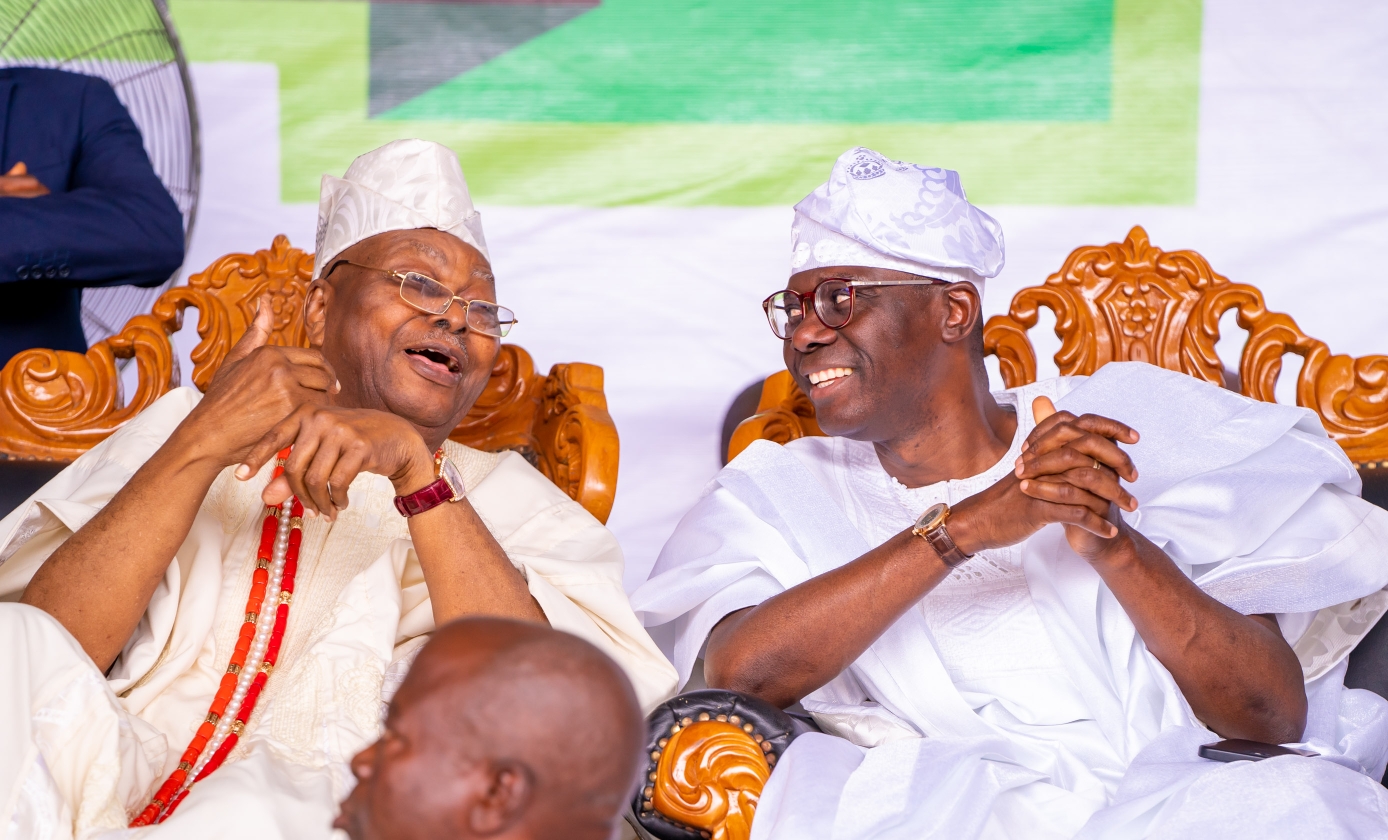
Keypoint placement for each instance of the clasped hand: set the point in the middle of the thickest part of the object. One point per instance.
(1069, 472)
(265, 398)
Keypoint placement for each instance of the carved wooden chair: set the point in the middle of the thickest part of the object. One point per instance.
(55, 405)
(1131, 301)
(1126, 301)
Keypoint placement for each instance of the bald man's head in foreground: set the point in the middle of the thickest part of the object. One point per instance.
(502, 729)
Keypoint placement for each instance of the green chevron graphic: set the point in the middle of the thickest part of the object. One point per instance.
(716, 103)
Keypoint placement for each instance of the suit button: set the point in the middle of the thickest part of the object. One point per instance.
(52, 272)
(63, 271)
(22, 272)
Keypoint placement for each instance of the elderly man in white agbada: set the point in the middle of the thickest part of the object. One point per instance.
(1020, 614)
(180, 630)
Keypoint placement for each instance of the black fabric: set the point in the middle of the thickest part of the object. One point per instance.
(744, 405)
(775, 726)
(1376, 484)
(20, 479)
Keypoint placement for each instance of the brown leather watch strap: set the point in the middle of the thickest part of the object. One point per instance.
(944, 546)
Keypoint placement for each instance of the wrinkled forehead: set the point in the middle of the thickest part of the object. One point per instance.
(807, 281)
(431, 252)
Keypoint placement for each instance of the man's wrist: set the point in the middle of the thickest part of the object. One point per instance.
(1116, 552)
(962, 529)
(417, 475)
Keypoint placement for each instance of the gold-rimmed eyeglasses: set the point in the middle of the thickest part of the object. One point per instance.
(429, 295)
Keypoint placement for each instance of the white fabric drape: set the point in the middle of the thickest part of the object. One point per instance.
(360, 605)
(1250, 499)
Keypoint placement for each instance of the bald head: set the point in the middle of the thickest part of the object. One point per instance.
(502, 729)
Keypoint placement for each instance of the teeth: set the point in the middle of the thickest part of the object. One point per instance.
(825, 376)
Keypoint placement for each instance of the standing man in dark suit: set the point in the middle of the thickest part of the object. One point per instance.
(80, 206)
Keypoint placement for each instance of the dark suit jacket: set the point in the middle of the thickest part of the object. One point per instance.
(108, 221)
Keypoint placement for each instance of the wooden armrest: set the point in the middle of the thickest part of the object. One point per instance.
(710, 753)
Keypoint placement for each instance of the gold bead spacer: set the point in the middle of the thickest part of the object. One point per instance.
(286, 596)
(213, 717)
(251, 618)
(266, 667)
(233, 668)
(237, 727)
(296, 522)
(262, 563)
(184, 766)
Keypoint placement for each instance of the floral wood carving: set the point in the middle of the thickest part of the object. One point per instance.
(783, 414)
(1130, 301)
(710, 776)
(55, 405)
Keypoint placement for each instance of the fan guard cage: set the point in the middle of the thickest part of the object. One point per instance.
(133, 46)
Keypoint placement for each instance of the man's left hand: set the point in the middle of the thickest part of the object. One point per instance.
(18, 183)
(1076, 461)
(332, 446)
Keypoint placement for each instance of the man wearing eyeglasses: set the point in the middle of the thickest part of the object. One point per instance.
(1021, 613)
(171, 631)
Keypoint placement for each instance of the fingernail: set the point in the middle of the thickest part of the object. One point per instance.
(309, 513)
(243, 472)
(337, 386)
(1026, 485)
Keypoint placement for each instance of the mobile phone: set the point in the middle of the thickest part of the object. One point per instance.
(1237, 749)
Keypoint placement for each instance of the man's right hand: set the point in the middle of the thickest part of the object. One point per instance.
(18, 183)
(256, 387)
(1069, 473)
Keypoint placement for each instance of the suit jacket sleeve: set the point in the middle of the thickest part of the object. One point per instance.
(112, 223)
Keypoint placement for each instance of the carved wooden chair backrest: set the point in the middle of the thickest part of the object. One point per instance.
(1130, 301)
(55, 405)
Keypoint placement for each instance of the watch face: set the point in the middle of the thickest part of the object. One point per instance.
(450, 473)
(933, 516)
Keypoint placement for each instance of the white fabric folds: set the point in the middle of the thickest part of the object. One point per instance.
(1253, 501)
(404, 185)
(98, 745)
(881, 213)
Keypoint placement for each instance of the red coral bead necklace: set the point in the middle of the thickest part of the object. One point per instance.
(252, 660)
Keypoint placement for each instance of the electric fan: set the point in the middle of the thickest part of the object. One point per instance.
(132, 45)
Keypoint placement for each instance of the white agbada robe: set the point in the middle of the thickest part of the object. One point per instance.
(1016, 699)
(80, 754)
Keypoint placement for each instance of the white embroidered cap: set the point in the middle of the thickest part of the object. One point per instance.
(404, 185)
(882, 213)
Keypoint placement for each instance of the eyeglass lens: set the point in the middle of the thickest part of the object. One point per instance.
(432, 296)
(833, 304)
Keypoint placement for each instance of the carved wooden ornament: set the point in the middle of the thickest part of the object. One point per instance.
(710, 776)
(55, 405)
(1130, 301)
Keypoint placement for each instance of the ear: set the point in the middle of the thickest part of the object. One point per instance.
(505, 801)
(315, 312)
(964, 310)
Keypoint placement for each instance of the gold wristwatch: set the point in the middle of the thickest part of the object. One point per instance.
(931, 527)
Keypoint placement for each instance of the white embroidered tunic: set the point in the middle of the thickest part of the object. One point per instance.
(1016, 700)
(360, 610)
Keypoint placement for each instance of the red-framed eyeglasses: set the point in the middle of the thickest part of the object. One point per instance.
(832, 300)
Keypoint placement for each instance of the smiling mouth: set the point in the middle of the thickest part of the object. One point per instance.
(824, 377)
(436, 357)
